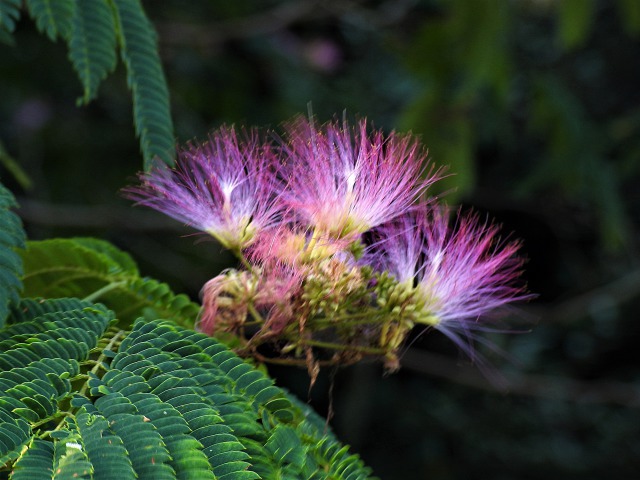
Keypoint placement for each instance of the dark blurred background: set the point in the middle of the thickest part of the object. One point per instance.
(535, 107)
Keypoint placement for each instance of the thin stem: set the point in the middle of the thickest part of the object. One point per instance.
(314, 239)
(61, 413)
(107, 288)
(243, 260)
(255, 314)
(338, 346)
(246, 263)
(324, 322)
(343, 321)
(94, 370)
(101, 359)
(297, 362)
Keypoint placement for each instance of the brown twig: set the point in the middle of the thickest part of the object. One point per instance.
(609, 295)
(542, 386)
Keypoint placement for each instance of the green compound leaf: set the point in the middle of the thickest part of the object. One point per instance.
(125, 420)
(151, 110)
(92, 44)
(9, 14)
(12, 236)
(35, 462)
(27, 310)
(151, 299)
(93, 30)
(80, 399)
(70, 459)
(123, 260)
(88, 267)
(40, 352)
(52, 17)
(64, 267)
(14, 433)
(285, 446)
(105, 450)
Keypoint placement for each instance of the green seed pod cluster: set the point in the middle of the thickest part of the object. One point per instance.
(334, 286)
(399, 300)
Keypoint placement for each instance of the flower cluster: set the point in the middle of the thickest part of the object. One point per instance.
(343, 252)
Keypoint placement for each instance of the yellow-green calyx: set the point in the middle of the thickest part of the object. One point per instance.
(404, 301)
(236, 237)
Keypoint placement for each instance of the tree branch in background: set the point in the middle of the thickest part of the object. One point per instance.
(92, 216)
(279, 18)
(530, 385)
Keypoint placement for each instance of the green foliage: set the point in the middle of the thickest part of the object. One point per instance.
(574, 19)
(92, 45)
(9, 14)
(12, 236)
(93, 30)
(629, 11)
(477, 88)
(85, 267)
(87, 400)
(576, 158)
(467, 44)
(54, 17)
(144, 74)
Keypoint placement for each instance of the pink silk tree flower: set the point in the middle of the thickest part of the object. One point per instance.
(224, 187)
(345, 181)
(294, 247)
(278, 293)
(458, 276)
(225, 301)
(397, 246)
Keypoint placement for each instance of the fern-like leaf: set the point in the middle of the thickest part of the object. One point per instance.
(286, 446)
(152, 299)
(9, 14)
(30, 309)
(63, 267)
(126, 422)
(92, 44)
(70, 459)
(14, 434)
(151, 111)
(12, 236)
(52, 17)
(93, 29)
(88, 267)
(35, 462)
(123, 260)
(105, 450)
(84, 400)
